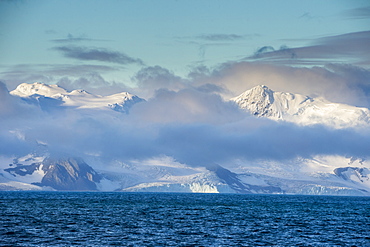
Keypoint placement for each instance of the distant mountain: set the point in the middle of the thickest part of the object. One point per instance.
(356, 175)
(59, 174)
(25, 90)
(263, 102)
(259, 101)
(73, 174)
(327, 175)
(49, 97)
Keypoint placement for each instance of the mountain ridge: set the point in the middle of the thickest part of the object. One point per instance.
(47, 95)
(338, 175)
(74, 174)
(261, 101)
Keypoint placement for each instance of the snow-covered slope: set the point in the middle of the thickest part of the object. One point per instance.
(25, 90)
(166, 175)
(357, 175)
(53, 95)
(263, 102)
(320, 175)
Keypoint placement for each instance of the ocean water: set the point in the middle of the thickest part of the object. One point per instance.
(161, 219)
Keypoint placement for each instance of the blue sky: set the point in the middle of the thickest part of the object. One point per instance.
(46, 40)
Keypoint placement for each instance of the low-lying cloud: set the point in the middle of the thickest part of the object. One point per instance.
(193, 127)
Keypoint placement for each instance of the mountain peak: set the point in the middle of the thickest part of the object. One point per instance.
(260, 87)
(257, 100)
(263, 102)
(26, 89)
(258, 92)
(79, 92)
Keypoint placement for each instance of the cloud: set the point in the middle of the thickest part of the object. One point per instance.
(14, 111)
(77, 70)
(50, 31)
(205, 144)
(335, 82)
(341, 83)
(358, 13)
(153, 78)
(190, 118)
(149, 79)
(97, 54)
(47, 73)
(194, 127)
(89, 77)
(10, 145)
(306, 16)
(186, 106)
(73, 39)
(93, 83)
(263, 50)
(220, 37)
(346, 48)
(205, 41)
(7, 103)
(196, 143)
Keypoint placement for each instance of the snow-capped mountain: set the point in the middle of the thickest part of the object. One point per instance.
(56, 174)
(329, 175)
(259, 101)
(167, 175)
(48, 96)
(263, 102)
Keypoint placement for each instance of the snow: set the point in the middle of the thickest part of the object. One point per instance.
(203, 188)
(25, 90)
(164, 174)
(11, 162)
(249, 179)
(76, 98)
(300, 176)
(14, 185)
(173, 187)
(356, 175)
(303, 110)
(108, 185)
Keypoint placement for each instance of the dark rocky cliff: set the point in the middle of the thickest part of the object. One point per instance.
(61, 174)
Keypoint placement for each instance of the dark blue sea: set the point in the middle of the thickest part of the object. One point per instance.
(161, 219)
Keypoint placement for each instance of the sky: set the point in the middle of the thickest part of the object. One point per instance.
(186, 58)
(111, 41)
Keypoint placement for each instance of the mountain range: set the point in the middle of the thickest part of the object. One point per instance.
(53, 96)
(321, 175)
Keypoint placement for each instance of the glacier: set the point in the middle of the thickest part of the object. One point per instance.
(167, 175)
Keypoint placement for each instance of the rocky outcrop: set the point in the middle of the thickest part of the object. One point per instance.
(69, 174)
(235, 183)
(61, 174)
